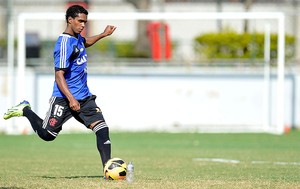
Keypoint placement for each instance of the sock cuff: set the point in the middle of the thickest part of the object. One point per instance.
(99, 126)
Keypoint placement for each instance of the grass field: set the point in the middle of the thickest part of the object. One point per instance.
(161, 160)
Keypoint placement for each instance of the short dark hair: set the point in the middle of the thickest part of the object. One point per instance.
(74, 10)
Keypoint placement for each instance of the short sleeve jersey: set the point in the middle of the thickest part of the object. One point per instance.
(70, 55)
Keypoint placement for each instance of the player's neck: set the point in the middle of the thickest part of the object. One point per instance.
(68, 31)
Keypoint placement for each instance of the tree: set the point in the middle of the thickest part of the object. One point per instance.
(142, 46)
(219, 9)
(247, 6)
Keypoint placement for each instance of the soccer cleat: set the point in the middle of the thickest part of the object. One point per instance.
(16, 111)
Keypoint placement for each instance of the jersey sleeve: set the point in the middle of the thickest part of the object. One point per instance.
(84, 40)
(62, 53)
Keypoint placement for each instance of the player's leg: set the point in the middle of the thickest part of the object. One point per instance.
(24, 109)
(91, 116)
(38, 125)
(103, 141)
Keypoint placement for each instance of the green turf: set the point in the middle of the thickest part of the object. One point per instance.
(161, 161)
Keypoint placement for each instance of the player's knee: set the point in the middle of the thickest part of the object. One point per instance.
(47, 135)
(101, 130)
(49, 138)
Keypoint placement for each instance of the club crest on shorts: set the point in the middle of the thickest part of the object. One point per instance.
(52, 122)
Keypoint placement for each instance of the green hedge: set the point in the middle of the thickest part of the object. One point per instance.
(233, 45)
(118, 49)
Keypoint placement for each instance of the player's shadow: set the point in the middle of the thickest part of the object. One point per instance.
(71, 177)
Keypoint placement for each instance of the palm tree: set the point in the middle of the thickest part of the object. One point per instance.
(142, 46)
(247, 6)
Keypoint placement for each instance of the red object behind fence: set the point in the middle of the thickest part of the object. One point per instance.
(159, 37)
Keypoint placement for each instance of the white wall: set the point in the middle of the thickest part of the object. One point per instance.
(166, 100)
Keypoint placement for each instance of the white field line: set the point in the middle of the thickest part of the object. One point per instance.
(233, 161)
(220, 160)
(287, 163)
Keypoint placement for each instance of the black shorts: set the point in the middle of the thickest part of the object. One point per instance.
(59, 112)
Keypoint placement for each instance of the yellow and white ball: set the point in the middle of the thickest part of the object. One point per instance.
(115, 169)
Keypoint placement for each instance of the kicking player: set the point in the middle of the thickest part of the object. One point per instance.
(71, 96)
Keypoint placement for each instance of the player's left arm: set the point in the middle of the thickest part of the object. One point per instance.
(89, 41)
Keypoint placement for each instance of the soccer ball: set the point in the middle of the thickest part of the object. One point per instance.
(115, 169)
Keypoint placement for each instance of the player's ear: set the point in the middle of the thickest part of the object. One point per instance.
(70, 20)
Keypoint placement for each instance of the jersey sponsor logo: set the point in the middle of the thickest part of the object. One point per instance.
(82, 60)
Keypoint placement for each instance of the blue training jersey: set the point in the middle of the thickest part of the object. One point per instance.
(70, 55)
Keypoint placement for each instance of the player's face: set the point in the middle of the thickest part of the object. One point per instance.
(78, 23)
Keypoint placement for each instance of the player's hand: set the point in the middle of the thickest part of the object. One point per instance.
(109, 30)
(74, 105)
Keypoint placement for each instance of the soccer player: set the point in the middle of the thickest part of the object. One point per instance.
(71, 96)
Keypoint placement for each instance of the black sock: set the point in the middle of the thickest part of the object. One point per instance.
(37, 124)
(103, 141)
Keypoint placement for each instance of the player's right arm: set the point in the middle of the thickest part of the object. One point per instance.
(62, 55)
(63, 86)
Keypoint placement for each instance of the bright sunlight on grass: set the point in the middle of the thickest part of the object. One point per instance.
(162, 160)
